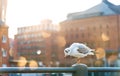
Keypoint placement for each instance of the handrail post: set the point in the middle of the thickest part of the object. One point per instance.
(81, 70)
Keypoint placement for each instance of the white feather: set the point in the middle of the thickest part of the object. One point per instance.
(83, 50)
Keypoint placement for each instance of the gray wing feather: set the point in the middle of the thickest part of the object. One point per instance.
(84, 51)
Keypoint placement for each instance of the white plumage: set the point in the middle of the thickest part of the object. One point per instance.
(78, 50)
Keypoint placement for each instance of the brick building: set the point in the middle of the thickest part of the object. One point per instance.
(4, 39)
(39, 43)
(98, 27)
(4, 46)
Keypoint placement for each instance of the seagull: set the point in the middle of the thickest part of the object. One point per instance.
(78, 50)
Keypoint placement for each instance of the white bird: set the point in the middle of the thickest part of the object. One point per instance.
(78, 50)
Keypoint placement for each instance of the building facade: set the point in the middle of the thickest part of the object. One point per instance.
(4, 46)
(4, 39)
(39, 43)
(97, 27)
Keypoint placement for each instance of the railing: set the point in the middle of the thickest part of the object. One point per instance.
(104, 69)
(76, 70)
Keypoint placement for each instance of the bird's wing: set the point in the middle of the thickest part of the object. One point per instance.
(82, 50)
(76, 53)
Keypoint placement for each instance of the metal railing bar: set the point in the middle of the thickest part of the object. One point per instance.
(37, 70)
(103, 69)
(57, 69)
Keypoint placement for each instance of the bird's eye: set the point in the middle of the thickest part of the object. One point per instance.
(67, 51)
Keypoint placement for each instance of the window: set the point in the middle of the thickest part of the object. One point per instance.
(4, 39)
(4, 53)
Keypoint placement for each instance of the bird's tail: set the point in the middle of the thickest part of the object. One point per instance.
(92, 52)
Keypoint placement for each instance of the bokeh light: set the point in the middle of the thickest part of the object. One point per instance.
(104, 37)
(22, 62)
(100, 53)
(39, 52)
(33, 63)
(11, 52)
(46, 34)
(61, 41)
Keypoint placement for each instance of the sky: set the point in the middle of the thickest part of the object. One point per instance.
(30, 12)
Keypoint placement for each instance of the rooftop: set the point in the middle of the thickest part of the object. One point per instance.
(102, 9)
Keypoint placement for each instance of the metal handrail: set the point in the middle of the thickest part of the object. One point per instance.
(103, 69)
(37, 70)
(77, 70)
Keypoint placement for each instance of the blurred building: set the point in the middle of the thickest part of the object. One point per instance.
(4, 46)
(97, 27)
(4, 39)
(39, 43)
(3, 8)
